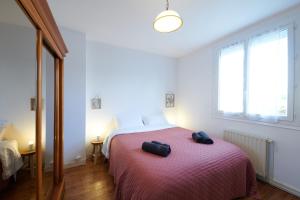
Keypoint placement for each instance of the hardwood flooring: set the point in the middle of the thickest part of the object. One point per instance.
(24, 188)
(91, 182)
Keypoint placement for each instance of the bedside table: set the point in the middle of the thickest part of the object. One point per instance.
(97, 145)
(30, 157)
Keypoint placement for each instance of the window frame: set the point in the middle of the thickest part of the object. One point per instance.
(291, 66)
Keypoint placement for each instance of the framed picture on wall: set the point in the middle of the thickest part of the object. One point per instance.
(96, 103)
(33, 104)
(170, 100)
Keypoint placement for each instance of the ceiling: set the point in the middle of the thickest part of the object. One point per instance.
(128, 23)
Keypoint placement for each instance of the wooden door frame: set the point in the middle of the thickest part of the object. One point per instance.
(48, 36)
(40, 15)
(38, 122)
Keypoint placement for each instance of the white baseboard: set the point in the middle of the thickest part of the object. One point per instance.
(278, 184)
(285, 187)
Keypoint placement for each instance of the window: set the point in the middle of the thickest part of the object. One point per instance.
(231, 79)
(253, 77)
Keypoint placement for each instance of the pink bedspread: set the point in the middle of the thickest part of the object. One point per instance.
(192, 171)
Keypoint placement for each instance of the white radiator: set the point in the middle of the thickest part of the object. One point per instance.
(258, 150)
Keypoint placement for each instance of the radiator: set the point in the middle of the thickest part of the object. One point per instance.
(258, 150)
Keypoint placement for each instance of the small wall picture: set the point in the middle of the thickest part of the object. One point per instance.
(96, 103)
(170, 100)
(33, 104)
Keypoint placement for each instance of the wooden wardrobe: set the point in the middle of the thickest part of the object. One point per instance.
(49, 37)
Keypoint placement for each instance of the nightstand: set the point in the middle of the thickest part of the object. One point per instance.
(30, 159)
(97, 145)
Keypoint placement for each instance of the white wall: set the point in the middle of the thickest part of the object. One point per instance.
(17, 82)
(196, 76)
(125, 80)
(74, 106)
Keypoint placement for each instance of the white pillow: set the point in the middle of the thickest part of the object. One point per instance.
(2, 126)
(129, 120)
(155, 119)
(10, 143)
(1, 134)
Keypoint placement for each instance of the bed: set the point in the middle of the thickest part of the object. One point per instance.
(192, 171)
(3, 183)
(10, 158)
(10, 161)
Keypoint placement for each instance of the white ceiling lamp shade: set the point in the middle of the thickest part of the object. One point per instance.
(167, 21)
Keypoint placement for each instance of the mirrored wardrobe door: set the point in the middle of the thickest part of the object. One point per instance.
(17, 103)
(48, 121)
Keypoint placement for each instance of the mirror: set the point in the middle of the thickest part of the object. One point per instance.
(17, 103)
(48, 121)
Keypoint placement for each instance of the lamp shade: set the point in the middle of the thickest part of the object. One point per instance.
(167, 21)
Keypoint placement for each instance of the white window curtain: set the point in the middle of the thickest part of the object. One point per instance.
(267, 76)
(231, 79)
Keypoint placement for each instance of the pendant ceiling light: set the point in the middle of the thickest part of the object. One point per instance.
(167, 21)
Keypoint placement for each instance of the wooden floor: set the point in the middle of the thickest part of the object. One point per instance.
(91, 182)
(24, 188)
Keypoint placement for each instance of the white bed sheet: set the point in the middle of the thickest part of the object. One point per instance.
(107, 141)
(2, 127)
(10, 157)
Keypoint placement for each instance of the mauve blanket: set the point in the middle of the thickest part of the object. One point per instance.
(192, 171)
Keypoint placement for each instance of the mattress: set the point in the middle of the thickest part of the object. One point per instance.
(10, 158)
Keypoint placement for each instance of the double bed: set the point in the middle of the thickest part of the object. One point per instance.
(10, 158)
(3, 183)
(220, 171)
